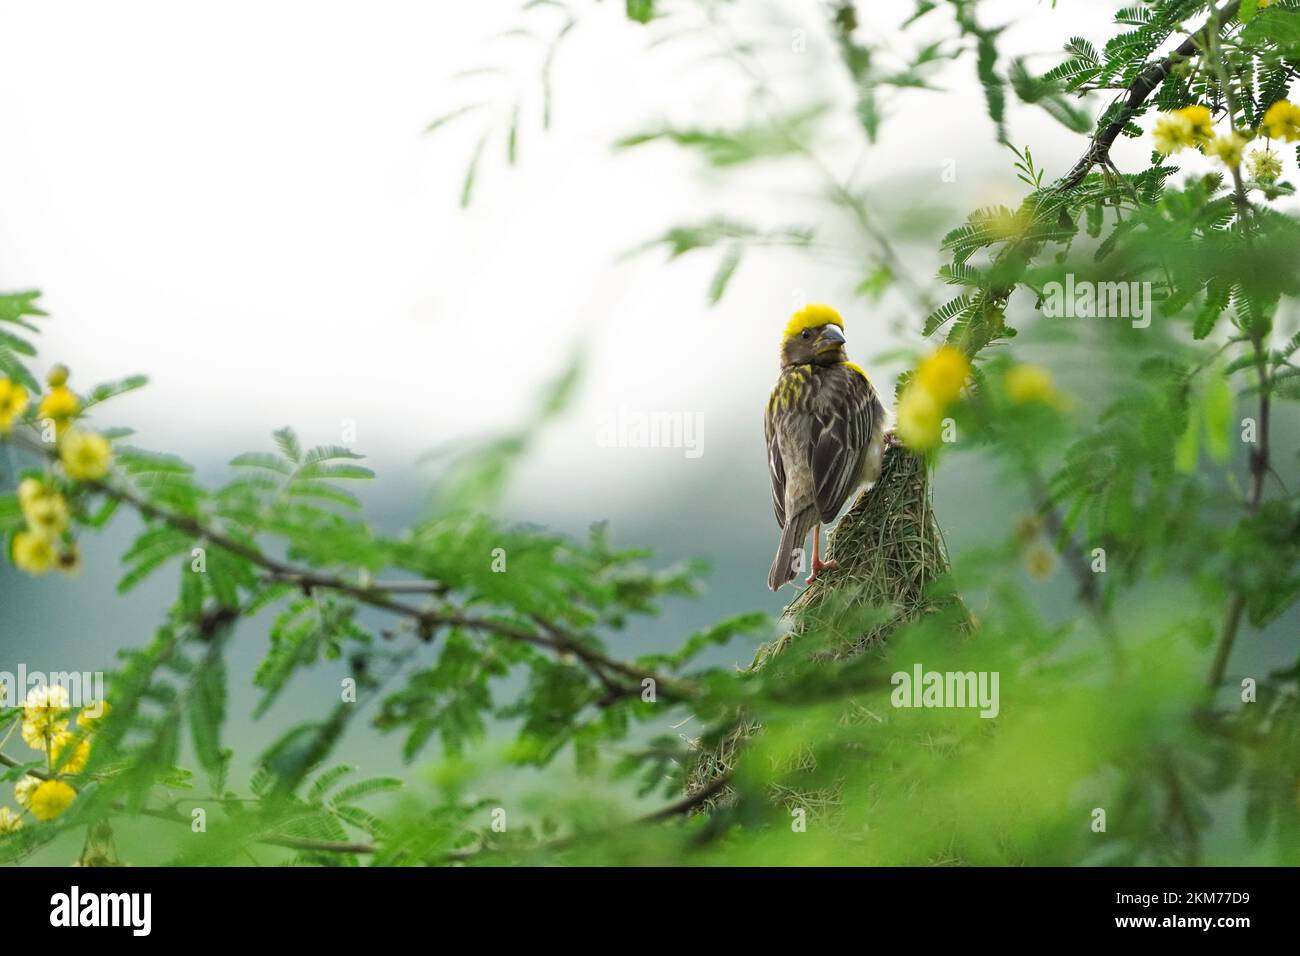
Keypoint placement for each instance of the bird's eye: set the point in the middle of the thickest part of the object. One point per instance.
(806, 334)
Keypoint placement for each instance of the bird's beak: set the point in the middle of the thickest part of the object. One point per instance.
(832, 337)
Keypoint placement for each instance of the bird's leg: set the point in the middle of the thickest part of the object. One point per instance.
(892, 440)
(818, 565)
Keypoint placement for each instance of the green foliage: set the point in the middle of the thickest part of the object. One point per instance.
(310, 629)
(642, 11)
(496, 650)
(16, 308)
(734, 239)
(768, 139)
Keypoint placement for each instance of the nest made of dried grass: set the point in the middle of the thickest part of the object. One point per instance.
(889, 549)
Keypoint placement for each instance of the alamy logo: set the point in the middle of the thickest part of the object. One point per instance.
(922, 688)
(80, 689)
(1098, 300)
(629, 428)
(103, 909)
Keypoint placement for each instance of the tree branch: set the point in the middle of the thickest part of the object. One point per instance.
(377, 595)
(676, 809)
(1147, 82)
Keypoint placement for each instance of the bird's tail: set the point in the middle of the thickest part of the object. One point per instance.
(789, 550)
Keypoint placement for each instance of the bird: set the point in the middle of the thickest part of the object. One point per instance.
(826, 434)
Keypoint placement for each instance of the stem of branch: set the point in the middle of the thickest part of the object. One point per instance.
(1147, 82)
(1080, 568)
(375, 595)
(1259, 469)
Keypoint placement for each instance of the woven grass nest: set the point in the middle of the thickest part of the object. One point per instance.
(888, 548)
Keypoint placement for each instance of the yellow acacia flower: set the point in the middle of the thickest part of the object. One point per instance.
(1200, 120)
(61, 405)
(76, 757)
(46, 703)
(1228, 149)
(38, 735)
(34, 553)
(92, 715)
(9, 821)
(1189, 126)
(1282, 121)
(1171, 134)
(29, 489)
(13, 402)
(46, 511)
(85, 455)
(943, 373)
(1031, 383)
(51, 798)
(23, 790)
(1264, 165)
(920, 417)
(57, 376)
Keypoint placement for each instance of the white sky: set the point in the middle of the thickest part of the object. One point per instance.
(237, 199)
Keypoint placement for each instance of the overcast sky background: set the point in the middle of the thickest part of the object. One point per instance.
(239, 200)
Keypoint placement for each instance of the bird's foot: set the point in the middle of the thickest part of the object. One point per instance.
(818, 567)
(892, 440)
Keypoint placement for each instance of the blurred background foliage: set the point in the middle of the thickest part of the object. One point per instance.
(544, 697)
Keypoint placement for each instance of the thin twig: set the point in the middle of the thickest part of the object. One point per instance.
(676, 809)
(1073, 557)
(1259, 470)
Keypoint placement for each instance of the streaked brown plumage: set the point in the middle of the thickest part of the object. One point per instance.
(825, 429)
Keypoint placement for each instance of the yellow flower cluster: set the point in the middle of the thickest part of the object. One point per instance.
(50, 799)
(1228, 149)
(45, 714)
(1189, 126)
(1032, 384)
(45, 543)
(42, 545)
(1282, 121)
(1264, 165)
(13, 402)
(45, 727)
(60, 404)
(24, 789)
(1193, 126)
(938, 383)
(85, 455)
(935, 386)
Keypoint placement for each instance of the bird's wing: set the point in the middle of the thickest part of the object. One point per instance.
(844, 420)
(775, 467)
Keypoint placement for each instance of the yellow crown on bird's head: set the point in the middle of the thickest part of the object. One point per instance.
(812, 317)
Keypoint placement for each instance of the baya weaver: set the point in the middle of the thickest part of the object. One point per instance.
(825, 431)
